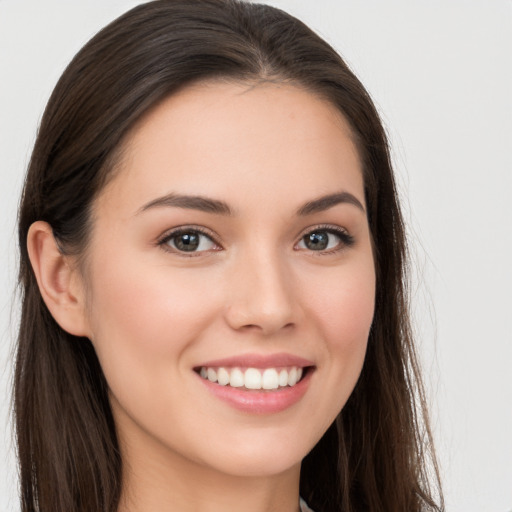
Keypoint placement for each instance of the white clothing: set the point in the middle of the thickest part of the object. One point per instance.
(304, 506)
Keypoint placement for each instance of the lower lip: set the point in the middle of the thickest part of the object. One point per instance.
(260, 402)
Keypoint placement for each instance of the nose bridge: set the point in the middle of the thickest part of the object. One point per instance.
(262, 294)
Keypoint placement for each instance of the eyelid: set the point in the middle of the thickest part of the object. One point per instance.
(187, 228)
(346, 239)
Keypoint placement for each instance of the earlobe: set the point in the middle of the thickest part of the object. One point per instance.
(59, 283)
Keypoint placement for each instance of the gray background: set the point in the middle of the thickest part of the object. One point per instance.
(441, 74)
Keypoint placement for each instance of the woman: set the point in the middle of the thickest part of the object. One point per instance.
(212, 258)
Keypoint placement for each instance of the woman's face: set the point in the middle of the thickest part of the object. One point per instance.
(231, 245)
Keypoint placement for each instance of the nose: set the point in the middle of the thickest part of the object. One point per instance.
(261, 296)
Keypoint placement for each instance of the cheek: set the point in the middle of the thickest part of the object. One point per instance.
(145, 302)
(143, 319)
(344, 313)
(345, 309)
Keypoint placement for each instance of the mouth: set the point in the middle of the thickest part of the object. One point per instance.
(257, 384)
(267, 379)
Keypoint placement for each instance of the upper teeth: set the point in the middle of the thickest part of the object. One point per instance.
(253, 378)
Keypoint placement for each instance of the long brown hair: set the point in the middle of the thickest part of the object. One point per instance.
(377, 456)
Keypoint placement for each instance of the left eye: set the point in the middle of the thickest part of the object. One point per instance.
(320, 240)
(190, 241)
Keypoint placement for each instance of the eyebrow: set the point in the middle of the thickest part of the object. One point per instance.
(325, 202)
(208, 205)
(200, 203)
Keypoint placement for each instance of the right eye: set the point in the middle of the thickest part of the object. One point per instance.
(188, 241)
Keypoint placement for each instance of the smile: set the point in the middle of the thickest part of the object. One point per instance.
(257, 384)
(253, 378)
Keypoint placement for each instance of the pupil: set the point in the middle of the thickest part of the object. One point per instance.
(187, 242)
(317, 241)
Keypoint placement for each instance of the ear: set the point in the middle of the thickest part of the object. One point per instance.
(59, 282)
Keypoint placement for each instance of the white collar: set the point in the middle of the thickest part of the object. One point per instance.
(304, 506)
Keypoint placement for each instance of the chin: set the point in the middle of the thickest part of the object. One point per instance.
(259, 465)
(261, 456)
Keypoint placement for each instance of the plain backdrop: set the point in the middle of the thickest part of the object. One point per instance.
(440, 73)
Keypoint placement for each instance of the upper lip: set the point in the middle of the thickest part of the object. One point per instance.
(259, 361)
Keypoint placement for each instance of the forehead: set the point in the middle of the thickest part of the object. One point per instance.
(235, 141)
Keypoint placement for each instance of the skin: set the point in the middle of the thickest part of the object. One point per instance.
(154, 314)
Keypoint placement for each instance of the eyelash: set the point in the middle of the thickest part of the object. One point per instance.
(346, 240)
(163, 242)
